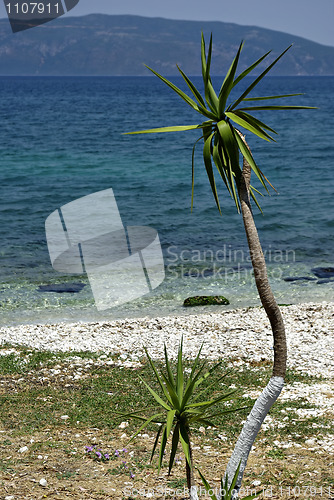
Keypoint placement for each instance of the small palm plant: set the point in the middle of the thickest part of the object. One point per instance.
(223, 144)
(180, 407)
(227, 490)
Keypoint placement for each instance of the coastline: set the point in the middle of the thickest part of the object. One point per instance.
(243, 335)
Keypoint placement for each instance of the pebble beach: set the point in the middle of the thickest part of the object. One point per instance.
(243, 335)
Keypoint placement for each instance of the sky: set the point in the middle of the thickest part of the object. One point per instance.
(312, 19)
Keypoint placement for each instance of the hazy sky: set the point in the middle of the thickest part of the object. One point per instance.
(313, 19)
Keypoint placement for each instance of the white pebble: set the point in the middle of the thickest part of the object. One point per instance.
(122, 425)
(43, 482)
(23, 449)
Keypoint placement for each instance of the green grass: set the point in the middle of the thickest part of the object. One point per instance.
(25, 359)
(6, 466)
(66, 475)
(177, 483)
(88, 401)
(276, 453)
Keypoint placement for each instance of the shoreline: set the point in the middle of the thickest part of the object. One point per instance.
(241, 334)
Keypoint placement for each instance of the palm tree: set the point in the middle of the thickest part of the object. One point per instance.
(223, 145)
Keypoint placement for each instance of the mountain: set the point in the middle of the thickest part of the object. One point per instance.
(100, 44)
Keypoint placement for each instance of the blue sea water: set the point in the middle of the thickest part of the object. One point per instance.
(61, 138)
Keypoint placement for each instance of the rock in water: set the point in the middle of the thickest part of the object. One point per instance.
(299, 278)
(206, 300)
(323, 272)
(62, 287)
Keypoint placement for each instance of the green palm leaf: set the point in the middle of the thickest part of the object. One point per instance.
(176, 128)
(228, 83)
(168, 367)
(175, 442)
(250, 68)
(207, 404)
(156, 441)
(194, 367)
(254, 120)
(184, 438)
(210, 95)
(257, 80)
(185, 97)
(248, 155)
(201, 393)
(157, 376)
(156, 396)
(266, 108)
(172, 389)
(170, 419)
(193, 172)
(221, 166)
(264, 98)
(162, 447)
(179, 380)
(230, 152)
(145, 424)
(192, 87)
(207, 486)
(208, 167)
(248, 124)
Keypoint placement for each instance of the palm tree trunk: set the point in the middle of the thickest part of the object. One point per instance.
(260, 273)
(276, 382)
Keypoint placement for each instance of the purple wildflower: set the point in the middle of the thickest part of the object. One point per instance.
(125, 450)
(116, 453)
(89, 448)
(132, 475)
(106, 456)
(98, 454)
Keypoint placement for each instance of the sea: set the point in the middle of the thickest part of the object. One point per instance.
(63, 139)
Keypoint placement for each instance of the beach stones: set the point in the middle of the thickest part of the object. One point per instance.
(62, 287)
(206, 300)
(243, 335)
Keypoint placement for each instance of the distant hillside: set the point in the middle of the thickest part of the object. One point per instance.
(119, 45)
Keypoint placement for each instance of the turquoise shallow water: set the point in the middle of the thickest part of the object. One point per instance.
(61, 139)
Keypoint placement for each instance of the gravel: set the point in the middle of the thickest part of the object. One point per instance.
(243, 334)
